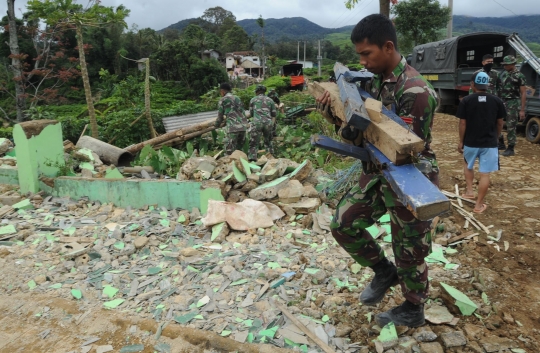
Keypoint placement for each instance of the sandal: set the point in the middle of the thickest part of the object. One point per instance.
(469, 197)
(484, 207)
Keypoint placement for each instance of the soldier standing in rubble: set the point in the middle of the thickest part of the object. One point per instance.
(232, 115)
(401, 88)
(513, 94)
(263, 115)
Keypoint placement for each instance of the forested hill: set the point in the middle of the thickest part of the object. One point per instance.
(300, 28)
(528, 27)
(276, 28)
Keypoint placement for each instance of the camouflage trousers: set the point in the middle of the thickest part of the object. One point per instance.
(262, 129)
(512, 119)
(234, 141)
(411, 238)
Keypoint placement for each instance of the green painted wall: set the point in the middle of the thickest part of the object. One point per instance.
(136, 193)
(35, 153)
(9, 175)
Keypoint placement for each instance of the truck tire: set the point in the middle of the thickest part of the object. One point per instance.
(532, 131)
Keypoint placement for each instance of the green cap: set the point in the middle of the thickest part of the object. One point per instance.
(260, 88)
(509, 60)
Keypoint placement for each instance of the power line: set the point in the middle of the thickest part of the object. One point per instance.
(360, 9)
(336, 20)
(495, 1)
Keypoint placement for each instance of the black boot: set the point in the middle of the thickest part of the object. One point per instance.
(407, 314)
(509, 151)
(385, 277)
(501, 145)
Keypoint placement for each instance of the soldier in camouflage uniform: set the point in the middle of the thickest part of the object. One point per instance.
(232, 115)
(401, 88)
(275, 97)
(494, 81)
(513, 95)
(263, 116)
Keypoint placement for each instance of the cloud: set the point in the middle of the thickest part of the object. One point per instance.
(159, 14)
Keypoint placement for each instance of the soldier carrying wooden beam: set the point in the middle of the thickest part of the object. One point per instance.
(403, 90)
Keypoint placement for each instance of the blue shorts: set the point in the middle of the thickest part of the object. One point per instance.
(489, 158)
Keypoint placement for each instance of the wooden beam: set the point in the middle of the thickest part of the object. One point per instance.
(393, 140)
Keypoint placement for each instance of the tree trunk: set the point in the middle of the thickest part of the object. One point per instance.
(16, 68)
(384, 7)
(86, 82)
(147, 100)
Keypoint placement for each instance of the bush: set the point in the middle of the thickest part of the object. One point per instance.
(6, 132)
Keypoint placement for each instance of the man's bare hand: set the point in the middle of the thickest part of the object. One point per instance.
(325, 99)
(323, 107)
(521, 115)
(460, 147)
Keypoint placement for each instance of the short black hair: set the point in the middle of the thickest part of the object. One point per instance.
(487, 56)
(377, 29)
(225, 86)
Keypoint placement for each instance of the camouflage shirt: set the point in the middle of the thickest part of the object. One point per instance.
(231, 107)
(274, 96)
(262, 108)
(510, 84)
(494, 82)
(411, 97)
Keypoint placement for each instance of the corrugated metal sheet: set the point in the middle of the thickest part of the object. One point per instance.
(172, 123)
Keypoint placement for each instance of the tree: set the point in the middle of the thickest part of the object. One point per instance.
(384, 5)
(199, 40)
(260, 22)
(420, 20)
(236, 39)
(216, 16)
(74, 16)
(16, 65)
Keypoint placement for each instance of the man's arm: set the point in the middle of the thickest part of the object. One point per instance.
(251, 109)
(273, 109)
(220, 116)
(500, 123)
(523, 93)
(462, 128)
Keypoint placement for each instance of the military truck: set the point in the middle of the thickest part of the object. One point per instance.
(450, 63)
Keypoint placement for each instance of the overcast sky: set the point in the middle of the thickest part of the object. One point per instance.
(158, 14)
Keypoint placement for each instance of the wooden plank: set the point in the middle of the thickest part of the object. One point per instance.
(392, 139)
(412, 187)
(303, 328)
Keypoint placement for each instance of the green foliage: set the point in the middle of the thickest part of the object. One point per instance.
(6, 132)
(420, 20)
(167, 160)
(279, 83)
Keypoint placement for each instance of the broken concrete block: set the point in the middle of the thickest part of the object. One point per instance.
(113, 173)
(204, 164)
(5, 145)
(289, 211)
(83, 154)
(214, 184)
(238, 176)
(306, 205)
(291, 193)
(274, 169)
(219, 232)
(454, 339)
(302, 171)
(249, 185)
(237, 155)
(245, 167)
(87, 173)
(10, 198)
(309, 191)
(23, 205)
(140, 242)
(269, 190)
(433, 347)
(262, 161)
(236, 196)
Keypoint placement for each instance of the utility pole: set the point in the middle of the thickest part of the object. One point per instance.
(450, 22)
(319, 60)
(304, 53)
(298, 53)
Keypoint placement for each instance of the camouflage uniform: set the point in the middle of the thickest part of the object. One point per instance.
(231, 107)
(510, 95)
(263, 112)
(275, 97)
(494, 82)
(414, 100)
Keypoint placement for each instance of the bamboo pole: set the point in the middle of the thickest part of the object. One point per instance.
(171, 135)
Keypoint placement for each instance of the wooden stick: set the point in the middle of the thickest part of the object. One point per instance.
(471, 216)
(304, 329)
(458, 199)
(84, 130)
(449, 194)
(466, 225)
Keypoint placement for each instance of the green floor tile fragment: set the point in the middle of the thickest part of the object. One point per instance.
(388, 333)
(113, 303)
(465, 305)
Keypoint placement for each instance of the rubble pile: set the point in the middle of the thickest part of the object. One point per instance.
(166, 265)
